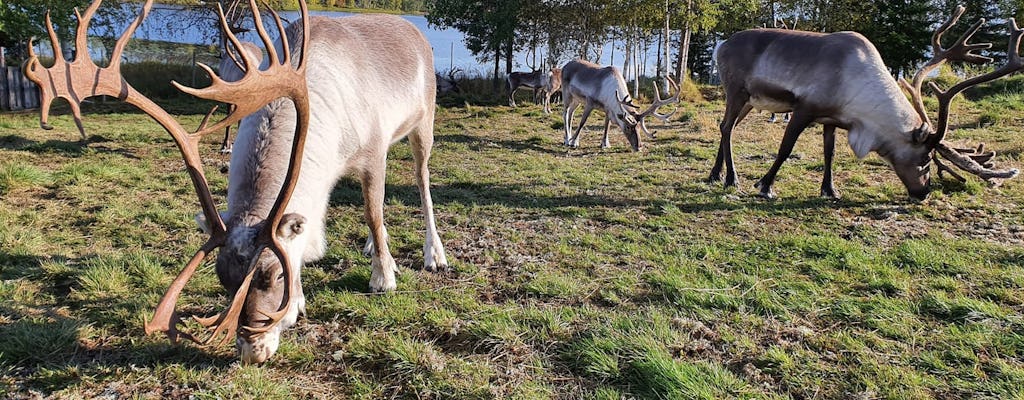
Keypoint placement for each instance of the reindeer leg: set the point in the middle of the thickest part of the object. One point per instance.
(225, 147)
(570, 108)
(587, 109)
(797, 123)
(368, 248)
(547, 102)
(735, 110)
(829, 135)
(382, 276)
(604, 142)
(422, 140)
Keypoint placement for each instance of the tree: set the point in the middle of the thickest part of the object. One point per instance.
(901, 30)
(22, 20)
(489, 27)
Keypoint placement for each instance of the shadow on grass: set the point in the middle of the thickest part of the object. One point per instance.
(67, 148)
(476, 143)
(348, 193)
(55, 341)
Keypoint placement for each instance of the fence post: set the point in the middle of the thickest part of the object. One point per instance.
(5, 102)
(30, 93)
(14, 85)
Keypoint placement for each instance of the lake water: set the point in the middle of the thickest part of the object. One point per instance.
(164, 24)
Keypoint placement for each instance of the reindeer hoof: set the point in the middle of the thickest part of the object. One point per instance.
(765, 192)
(830, 194)
(435, 267)
(381, 284)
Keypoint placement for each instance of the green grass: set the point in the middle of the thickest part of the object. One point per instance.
(576, 273)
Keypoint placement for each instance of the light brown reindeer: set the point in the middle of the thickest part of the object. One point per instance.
(370, 83)
(839, 80)
(593, 86)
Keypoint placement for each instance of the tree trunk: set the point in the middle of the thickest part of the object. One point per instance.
(636, 72)
(684, 47)
(665, 37)
(627, 56)
(497, 66)
(508, 56)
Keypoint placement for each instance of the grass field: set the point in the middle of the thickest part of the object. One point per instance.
(581, 273)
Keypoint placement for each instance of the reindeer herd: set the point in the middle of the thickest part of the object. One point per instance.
(351, 87)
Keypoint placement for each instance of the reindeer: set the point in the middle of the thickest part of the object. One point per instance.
(589, 84)
(552, 86)
(839, 80)
(368, 80)
(448, 84)
(231, 70)
(543, 84)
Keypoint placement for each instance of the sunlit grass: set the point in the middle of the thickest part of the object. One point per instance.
(576, 273)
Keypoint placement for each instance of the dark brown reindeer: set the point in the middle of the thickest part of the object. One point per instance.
(593, 86)
(839, 80)
(364, 100)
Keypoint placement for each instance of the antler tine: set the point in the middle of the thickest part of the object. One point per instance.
(959, 51)
(165, 319)
(285, 48)
(658, 102)
(247, 63)
(81, 38)
(58, 56)
(115, 56)
(256, 88)
(225, 324)
(262, 32)
(1013, 64)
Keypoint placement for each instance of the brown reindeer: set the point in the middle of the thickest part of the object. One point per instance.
(839, 80)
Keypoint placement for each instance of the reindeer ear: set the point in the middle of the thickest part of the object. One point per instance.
(204, 225)
(291, 226)
(921, 134)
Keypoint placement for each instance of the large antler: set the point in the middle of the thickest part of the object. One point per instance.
(81, 79)
(959, 51)
(977, 162)
(652, 110)
(969, 159)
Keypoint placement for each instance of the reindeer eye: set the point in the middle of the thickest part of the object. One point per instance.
(280, 276)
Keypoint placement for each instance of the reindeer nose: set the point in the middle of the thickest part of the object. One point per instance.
(258, 350)
(922, 193)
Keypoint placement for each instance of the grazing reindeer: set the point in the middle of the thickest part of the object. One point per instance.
(594, 86)
(543, 84)
(552, 85)
(231, 70)
(369, 85)
(533, 80)
(839, 80)
(448, 84)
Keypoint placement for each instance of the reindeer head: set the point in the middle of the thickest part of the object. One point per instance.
(927, 143)
(630, 117)
(268, 287)
(81, 78)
